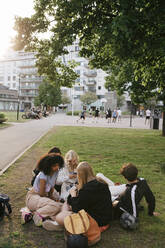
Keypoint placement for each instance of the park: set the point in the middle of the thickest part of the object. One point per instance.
(83, 78)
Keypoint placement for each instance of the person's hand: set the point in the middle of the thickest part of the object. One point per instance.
(114, 204)
(156, 214)
(73, 192)
(72, 176)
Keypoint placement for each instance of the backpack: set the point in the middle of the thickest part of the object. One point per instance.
(128, 221)
(4, 205)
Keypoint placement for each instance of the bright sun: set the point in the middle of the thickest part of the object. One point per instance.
(8, 10)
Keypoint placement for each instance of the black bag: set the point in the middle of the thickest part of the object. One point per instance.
(4, 205)
(77, 241)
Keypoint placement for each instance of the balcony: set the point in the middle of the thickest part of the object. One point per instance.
(91, 83)
(90, 73)
(28, 94)
(29, 72)
(28, 87)
(27, 66)
(92, 89)
(29, 80)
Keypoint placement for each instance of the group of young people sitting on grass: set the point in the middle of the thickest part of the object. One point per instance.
(67, 195)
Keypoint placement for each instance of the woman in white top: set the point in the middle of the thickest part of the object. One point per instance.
(67, 177)
(41, 198)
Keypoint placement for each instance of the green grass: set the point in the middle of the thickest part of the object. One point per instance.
(106, 150)
(12, 117)
(3, 125)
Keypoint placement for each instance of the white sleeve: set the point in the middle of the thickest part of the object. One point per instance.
(63, 176)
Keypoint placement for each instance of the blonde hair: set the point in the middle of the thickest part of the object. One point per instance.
(85, 174)
(71, 156)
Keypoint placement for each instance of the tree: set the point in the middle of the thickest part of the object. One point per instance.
(65, 100)
(121, 32)
(120, 101)
(49, 95)
(88, 98)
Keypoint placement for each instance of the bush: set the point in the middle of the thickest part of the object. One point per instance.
(76, 113)
(2, 115)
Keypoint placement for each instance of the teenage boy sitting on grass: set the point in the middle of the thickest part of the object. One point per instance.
(136, 189)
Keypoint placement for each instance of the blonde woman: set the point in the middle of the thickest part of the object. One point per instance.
(92, 195)
(67, 177)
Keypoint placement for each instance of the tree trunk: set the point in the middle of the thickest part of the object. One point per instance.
(163, 128)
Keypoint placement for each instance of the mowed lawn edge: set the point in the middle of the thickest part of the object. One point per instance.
(106, 150)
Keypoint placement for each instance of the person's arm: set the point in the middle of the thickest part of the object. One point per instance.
(42, 191)
(150, 200)
(63, 176)
(79, 202)
(50, 194)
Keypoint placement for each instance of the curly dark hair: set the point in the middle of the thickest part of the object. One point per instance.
(46, 163)
(55, 150)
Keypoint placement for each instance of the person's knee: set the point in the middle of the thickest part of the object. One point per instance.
(61, 217)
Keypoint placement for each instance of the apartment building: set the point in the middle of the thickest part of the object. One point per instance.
(18, 72)
(8, 98)
(92, 80)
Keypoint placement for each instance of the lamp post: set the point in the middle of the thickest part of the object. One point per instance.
(131, 116)
(18, 106)
(73, 102)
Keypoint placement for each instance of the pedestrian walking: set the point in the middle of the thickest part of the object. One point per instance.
(109, 115)
(119, 113)
(148, 116)
(114, 116)
(97, 112)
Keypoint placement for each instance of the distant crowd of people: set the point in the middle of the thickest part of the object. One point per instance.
(111, 116)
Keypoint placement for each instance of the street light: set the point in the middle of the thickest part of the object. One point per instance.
(73, 102)
(18, 106)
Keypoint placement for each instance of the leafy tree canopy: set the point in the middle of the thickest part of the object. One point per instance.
(88, 98)
(65, 100)
(123, 33)
(49, 95)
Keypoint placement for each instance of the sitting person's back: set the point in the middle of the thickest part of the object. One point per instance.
(137, 188)
(93, 196)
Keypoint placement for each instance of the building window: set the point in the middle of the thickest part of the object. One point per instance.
(76, 48)
(8, 78)
(14, 85)
(14, 78)
(99, 87)
(78, 72)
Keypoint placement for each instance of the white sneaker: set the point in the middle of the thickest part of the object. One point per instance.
(51, 225)
(37, 218)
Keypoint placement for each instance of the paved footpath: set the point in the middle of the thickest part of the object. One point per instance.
(17, 138)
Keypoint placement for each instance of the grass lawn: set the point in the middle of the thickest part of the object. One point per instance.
(106, 150)
(3, 125)
(12, 117)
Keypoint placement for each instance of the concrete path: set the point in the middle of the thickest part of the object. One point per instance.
(138, 123)
(17, 138)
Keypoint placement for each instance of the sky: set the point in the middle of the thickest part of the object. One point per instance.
(8, 10)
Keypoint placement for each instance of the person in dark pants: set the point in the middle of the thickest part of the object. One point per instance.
(97, 112)
(137, 188)
(109, 115)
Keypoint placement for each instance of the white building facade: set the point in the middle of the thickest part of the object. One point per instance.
(92, 80)
(18, 72)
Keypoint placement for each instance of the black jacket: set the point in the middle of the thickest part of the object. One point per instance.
(95, 199)
(134, 194)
